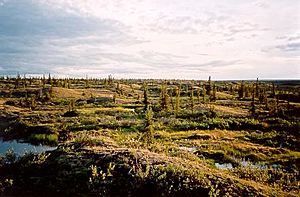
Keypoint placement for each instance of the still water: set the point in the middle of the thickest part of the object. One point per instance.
(20, 148)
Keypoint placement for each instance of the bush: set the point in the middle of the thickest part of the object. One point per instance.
(71, 114)
(50, 139)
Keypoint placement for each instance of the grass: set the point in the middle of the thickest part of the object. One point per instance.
(49, 139)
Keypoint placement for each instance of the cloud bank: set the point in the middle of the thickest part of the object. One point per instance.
(151, 38)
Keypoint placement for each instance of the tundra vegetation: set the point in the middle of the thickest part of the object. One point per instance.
(131, 137)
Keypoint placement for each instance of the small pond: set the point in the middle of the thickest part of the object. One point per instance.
(244, 163)
(188, 149)
(20, 148)
(224, 166)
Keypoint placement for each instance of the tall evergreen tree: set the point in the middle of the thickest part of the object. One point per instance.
(164, 98)
(257, 89)
(208, 86)
(192, 98)
(145, 87)
(213, 96)
(273, 90)
(252, 108)
(149, 130)
(241, 90)
(177, 102)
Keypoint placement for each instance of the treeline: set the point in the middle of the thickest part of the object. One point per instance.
(161, 95)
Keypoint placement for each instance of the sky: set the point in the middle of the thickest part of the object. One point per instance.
(176, 39)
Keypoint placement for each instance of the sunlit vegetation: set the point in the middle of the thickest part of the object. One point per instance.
(126, 137)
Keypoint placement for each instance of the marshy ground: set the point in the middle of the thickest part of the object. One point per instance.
(151, 137)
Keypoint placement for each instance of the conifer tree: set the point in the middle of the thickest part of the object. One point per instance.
(213, 96)
(288, 101)
(17, 81)
(208, 87)
(192, 98)
(277, 103)
(257, 89)
(262, 94)
(145, 87)
(204, 93)
(273, 90)
(252, 108)
(149, 130)
(86, 84)
(44, 81)
(118, 88)
(171, 99)
(24, 82)
(241, 90)
(49, 79)
(114, 98)
(266, 101)
(246, 91)
(177, 102)
(232, 90)
(164, 98)
(110, 79)
(198, 95)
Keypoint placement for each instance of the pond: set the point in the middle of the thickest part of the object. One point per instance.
(188, 149)
(20, 148)
(224, 166)
(244, 163)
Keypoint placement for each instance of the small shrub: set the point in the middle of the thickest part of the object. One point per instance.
(51, 139)
(70, 114)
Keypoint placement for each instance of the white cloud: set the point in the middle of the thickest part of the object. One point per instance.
(174, 38)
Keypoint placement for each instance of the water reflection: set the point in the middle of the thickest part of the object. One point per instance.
(224, 166)
(20, 148)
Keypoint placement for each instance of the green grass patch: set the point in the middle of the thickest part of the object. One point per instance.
(49, 139)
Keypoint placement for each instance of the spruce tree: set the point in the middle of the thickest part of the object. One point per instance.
(257, 89)
(24, 82)
(208, 87)
(192, 98)
(177, 102)
(204, 93)
(145, 87)
(49, 79)
(241, 90)
(252, 108)
(214, 94)
(198, 95)
(171, 99)
(164, 98)
(17, 81)
(246, 91)
(273, 90)
(149, 130)
(232, 90)
(266, 101)
(114, 98)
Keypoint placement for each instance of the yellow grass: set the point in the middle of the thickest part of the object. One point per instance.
(80, 93)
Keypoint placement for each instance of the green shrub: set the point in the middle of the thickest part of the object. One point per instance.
(50, 139)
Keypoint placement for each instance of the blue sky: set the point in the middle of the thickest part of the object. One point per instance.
(227, 39)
